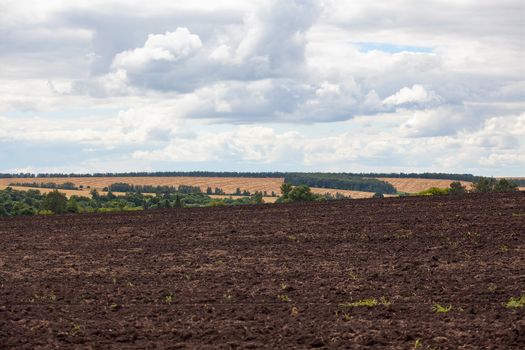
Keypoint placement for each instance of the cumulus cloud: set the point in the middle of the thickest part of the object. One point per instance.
(416, 95)
(171, 47)
(445, 78)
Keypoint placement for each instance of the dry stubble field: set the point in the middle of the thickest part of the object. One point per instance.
(350, 274)
(228, 184)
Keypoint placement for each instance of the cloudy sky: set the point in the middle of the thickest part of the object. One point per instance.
(311, 85)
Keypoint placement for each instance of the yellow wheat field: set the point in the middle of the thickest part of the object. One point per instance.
(411, 185)
(228, 184)
(68, 193)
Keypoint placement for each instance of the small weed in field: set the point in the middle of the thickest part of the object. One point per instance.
(130, 284)
(472, 235)
(400, 234)
(114, 279)
(293, 238)
(418, 344)
(504, 248)
(352, 275)
(295, 311)
(227, 296)
(52, 296)
(516, 303)
(168, 299)
(369, 302)
(284, 297)
(440, 309)
(75, 329)
(384, 301)
(492, 287)
(114, 306)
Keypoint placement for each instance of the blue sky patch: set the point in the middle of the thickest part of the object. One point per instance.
(391, 48)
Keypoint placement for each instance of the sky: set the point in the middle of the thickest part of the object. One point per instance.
(311, 85)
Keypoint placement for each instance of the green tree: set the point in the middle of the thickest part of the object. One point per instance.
(484, 185)
(21, 208)
(286, 188)
(94, 195)
(456, 188)
(56, 202)
(257, 197)
(3, 211)
(504, 185)
(301, 193)
(378, 195)
(72, 205)
(178, 203)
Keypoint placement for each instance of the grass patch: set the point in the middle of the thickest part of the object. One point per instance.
(369, 302)
(516, 303)
(440, 309)
(284, 297)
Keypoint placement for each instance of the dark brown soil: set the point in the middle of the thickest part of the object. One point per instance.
(271, 276)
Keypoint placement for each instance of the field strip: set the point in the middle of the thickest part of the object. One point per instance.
(413, 185)
(228, 184)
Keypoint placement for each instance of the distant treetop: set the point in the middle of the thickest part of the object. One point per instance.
(447, 176)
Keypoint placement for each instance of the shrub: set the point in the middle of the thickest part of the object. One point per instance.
(484, 185)
(434, 191)
(257, 197)
(301, 193)
(45, 212)
(56, 202)
(456, 188)
(504, 185)
(286, 188)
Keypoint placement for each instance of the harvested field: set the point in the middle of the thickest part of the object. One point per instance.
(221, 196)
(363, 274)
(352, 194)
(68, 193)
(412, 185)
(228, 184)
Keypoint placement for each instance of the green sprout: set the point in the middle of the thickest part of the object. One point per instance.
(368, 302)
(440, 309)
(284, 297)
(516, 303)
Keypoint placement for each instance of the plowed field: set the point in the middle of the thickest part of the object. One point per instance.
(365, 274)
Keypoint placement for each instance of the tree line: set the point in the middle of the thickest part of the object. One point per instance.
(271, 174)
(339, 181)
(33, 202)
(482, 185)
(62, 186)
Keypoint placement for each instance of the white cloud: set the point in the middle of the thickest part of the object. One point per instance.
(172, 47)
(417, 95)
(442, 78)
